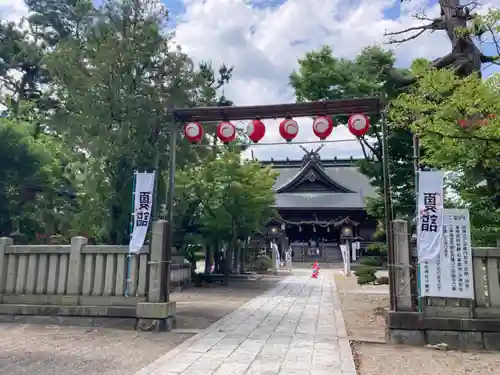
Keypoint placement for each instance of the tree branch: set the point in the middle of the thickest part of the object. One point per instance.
(490, 59)
(465, 136)
(435, 24)
(363, 148)
(371, 148)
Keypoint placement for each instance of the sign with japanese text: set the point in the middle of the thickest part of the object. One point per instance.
(450, 274)
(430, 214)
(143, 204)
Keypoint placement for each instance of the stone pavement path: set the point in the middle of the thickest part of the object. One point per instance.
(295, 328)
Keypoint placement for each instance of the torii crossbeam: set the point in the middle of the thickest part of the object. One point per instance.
(369, 106)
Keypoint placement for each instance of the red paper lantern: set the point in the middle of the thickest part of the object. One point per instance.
(193, 132)
(322, 127)
(256, 130)
(358, 124)
(289, 128)
(226, 132)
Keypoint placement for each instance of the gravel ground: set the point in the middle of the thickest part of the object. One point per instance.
(35, 349)
(363, 312)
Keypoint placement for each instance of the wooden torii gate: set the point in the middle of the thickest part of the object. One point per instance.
(368, 106)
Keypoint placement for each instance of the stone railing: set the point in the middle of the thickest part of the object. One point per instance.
(460, 323)
(180, 274)
(86, 280)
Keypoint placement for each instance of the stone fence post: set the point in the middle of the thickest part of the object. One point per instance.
(75, 267)
(157, 274)
(158, 313)
(402, 264)
(4, 242)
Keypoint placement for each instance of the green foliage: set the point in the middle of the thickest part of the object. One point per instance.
(262, 263)
(321, 75)
(370, 261)
(36, 180)
(222, 199)
(92, 85)
(377, 249)
(436, 104)
(365, 275)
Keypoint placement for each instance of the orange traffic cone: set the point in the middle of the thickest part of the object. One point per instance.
(315, 270)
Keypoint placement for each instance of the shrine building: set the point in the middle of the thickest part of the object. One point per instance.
(316, 200)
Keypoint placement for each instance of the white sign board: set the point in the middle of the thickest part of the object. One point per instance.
(344, 249)
(430, 214)
(450, 274)
(355, 248)
(143, 203)
(276, 251)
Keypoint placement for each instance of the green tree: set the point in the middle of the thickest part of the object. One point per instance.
(322, 76)
(438, 102)
(118, 78)
(95, 83)
(21, 166)
(38, 179)
(235, 199)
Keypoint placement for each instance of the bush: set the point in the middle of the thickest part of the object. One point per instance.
(378, 249)
(371, 261)
(262, 263)
(366, 275)
(383, 280)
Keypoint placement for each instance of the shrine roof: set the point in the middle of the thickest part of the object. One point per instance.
(319, 200)
(343, 186)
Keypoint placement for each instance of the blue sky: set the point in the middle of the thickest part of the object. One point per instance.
(177, 7)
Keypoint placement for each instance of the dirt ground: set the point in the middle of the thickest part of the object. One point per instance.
(363, 312)
(35, 349)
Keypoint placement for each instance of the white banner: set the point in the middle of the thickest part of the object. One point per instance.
(430, 214)
(355, 248)
(275, 249)
(450, 274)
(143, 203)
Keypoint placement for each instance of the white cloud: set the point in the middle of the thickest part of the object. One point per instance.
(264, 43)
(12, 10)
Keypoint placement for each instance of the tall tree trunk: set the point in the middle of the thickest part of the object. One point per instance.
(218, 255)
(465, 58)
(243, 255)
(229, 253)
(208, 258)
(236, 258)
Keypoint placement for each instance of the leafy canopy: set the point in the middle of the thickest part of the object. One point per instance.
(321, 76)
(436, 105)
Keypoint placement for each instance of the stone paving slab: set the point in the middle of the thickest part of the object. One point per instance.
(295, 328)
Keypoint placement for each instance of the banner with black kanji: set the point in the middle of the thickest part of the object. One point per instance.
(430, 214)
(143, 204)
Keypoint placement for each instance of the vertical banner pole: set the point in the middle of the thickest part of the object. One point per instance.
(416, 168)
(129, 256)
(169, 205)
(388, 212)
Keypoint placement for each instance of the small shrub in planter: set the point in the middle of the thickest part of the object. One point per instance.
(371, 262)
(262, 263)
(383, 280)
(366, 275)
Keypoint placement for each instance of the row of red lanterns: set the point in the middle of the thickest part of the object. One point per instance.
(358, 124)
